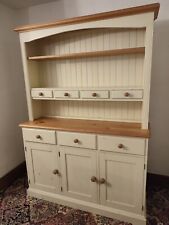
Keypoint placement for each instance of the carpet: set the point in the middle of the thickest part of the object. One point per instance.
(16, 208)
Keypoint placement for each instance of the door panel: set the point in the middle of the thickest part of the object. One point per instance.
(78, 166)
(43, 162)
(123, 188)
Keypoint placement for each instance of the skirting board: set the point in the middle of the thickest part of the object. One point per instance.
(121, 215)
(10, 177)
(156, 179)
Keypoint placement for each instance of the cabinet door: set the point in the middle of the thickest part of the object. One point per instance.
(78, 167)
(123, 186)
(43, 166)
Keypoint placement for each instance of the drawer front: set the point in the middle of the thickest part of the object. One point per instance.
(77, 140)
(39, 135)
(127, 94)
(66, 94)
(94, 94)
(122, 144)
(41, 93)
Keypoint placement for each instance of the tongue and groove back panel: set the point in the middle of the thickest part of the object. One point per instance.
(111, 71)
(120, 71)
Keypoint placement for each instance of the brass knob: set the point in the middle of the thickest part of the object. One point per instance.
(38, 137)
(94, 94)
(126, 94)
(120, 146)
(93, 179)
(41, 94)
(102, 181)
(76, 141)
(66, 94)
(56, 172)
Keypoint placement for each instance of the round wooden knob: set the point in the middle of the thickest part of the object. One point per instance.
(120, 146)
(41, 94)
(56, 172)
(93, 179)
(94, 94)
(102, 181)
(66, 94)
(38, 137)
(126, 94)
(76, 141)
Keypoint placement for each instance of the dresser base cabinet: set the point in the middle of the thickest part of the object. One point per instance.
(103, 174)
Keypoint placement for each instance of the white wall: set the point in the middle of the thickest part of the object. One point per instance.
(159, 107)
(61, 9)
(12, 95)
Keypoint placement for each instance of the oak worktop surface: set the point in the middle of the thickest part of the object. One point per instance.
(89, 126)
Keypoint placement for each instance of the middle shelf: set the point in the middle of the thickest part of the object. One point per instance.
(96, 94)
(113, 52)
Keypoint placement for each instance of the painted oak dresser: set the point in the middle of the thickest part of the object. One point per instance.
(87, 84)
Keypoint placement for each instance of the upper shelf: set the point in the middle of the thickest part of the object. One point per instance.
(99, 16)
(115, 52)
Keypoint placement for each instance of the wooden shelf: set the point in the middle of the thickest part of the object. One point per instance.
(89, 126)
(115, 52)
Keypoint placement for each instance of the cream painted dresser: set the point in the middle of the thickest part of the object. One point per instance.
(87, 83)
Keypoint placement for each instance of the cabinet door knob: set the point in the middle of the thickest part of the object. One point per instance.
(126, 94)
(102, 181)
(94, 94)
(66, 94)
(41, 94)
(120, 146)
(93, 179)
(76, 141)
(56, 172)
(38, 137)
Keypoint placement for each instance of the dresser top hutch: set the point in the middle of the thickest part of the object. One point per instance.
(141, 18)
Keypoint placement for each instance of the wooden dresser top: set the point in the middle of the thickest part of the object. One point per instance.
(89, 126)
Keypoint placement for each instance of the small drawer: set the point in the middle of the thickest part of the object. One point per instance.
(126, 94)
(39, 135)
(77, 140)
(122, 144)
(66, 94)
(41, 93)
(94, 94)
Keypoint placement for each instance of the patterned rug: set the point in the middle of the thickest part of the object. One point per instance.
(16, 209)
